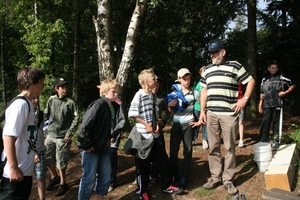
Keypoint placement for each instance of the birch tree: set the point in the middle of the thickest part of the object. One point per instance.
(103, 29)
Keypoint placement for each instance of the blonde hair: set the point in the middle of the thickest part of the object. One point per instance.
(107, 84)
(145, 76)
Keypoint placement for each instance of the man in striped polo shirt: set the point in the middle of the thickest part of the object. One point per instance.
(219, 110)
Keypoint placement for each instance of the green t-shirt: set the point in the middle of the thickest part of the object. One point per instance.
(197, 103)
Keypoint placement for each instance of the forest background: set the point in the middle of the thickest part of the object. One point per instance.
(88, 41)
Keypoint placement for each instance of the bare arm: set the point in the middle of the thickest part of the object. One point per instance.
(203, 101)
(243, 101)
(284, 93)
(16, 173)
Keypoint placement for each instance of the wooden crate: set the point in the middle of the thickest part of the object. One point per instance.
(281, 171)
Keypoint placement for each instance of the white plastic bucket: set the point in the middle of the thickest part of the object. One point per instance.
(263, 165)
(262, 155)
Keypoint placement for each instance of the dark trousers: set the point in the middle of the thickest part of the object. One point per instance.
(185, 133)
(159, 157)
(19, 190)
(113, 153)
(270, 115)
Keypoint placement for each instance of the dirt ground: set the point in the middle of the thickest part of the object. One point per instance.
(248, 179)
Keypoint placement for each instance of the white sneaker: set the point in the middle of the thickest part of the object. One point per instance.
(204, 144)
(241, 143)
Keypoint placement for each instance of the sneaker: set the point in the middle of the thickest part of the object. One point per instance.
(110, 189)
(241, 143)
(211, 184)
(52, 183)
(204, 144)
(173, 190)
(62, 189)
(230, 189)
(274, 146)
(144, 196)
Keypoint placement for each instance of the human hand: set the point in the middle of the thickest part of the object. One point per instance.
(239, 105)
(202, 118)
(36, 158)
(194, 124)
(173, 103)
(90, 150)
(16, 174)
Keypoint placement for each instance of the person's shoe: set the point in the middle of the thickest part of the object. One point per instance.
(204, 144)
(52, 183)
(62, 189)
(144, 196)
(211, 184)
(110, 189)
(274, 146)
(153, 182)
(231, 189)
(241, 143)
(173, 190)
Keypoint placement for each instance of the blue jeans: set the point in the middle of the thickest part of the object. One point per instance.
(95, 168)
(204, 127)
(114, 165)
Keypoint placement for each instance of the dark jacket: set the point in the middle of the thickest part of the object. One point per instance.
(270, 86)
(96, 126)
(63, 117)
(118, 124)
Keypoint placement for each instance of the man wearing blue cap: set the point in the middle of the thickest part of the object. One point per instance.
(220, 111)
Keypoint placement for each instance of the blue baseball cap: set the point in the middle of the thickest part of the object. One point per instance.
(216, 46)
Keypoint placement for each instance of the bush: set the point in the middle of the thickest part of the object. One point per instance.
(293, 137)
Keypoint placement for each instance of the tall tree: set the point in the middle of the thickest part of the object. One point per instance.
(252, 49)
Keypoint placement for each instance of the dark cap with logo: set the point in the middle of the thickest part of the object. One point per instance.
(60, 82)
(216, 46)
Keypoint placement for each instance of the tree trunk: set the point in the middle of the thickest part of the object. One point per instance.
(103, 34)
(2, 60)
(252, 49)
(76, 57)
(128, 55)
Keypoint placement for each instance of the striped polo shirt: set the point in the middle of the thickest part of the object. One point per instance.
(222, 86)
(142, 106)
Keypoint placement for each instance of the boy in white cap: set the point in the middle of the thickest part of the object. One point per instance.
(183, 123)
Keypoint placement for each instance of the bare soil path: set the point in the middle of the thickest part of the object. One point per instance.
(248, 179)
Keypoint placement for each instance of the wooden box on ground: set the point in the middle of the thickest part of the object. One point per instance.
(281, 171)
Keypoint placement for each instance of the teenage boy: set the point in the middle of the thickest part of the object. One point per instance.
(62, 113)
(94, 140)
(183, 123)
(141, 111)
(274, 87)
(118, 122)
(19, 137)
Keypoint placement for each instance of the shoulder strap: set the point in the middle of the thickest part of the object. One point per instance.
(2, 117)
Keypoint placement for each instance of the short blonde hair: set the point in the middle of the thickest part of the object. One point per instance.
(108, 84)
(145, 76)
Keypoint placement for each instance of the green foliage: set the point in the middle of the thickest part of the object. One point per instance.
(293, 137)
(39, 38)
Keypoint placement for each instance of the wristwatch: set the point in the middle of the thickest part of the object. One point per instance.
(246, 97)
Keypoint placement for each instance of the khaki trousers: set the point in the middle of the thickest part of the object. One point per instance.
(227, 125)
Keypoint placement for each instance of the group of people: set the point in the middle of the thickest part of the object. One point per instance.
(216, 103)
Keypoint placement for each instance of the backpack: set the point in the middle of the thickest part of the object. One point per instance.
(2, 118)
